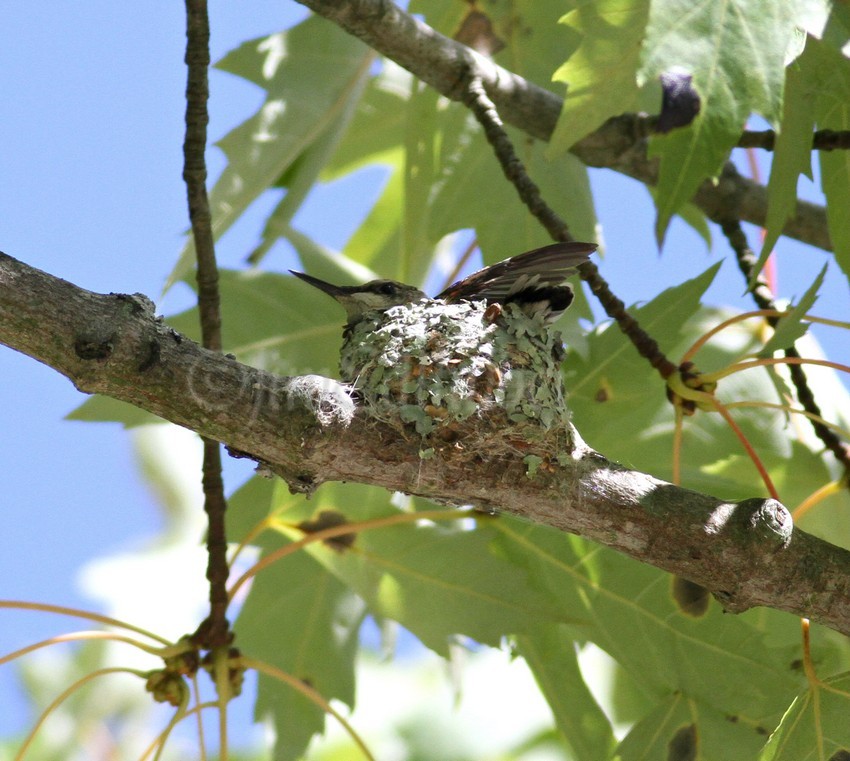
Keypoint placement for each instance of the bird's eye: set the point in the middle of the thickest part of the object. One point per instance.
(388, 289)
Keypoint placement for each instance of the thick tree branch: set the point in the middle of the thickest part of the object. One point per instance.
(618, 144)
(309, 430)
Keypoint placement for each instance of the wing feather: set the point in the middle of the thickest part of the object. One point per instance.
(538, 269)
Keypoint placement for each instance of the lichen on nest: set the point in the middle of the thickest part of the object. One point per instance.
(437, 364)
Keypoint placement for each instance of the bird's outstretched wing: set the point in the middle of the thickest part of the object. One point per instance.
(538, 270)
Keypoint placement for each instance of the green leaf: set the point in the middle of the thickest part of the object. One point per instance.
(442, 15)
(298, 618)
(619, 405)
(718, 43)
(791, 156)
(535, 43)
(825, 72)
(420, 173)
(835, 179)
(824, 78)
(378, 238)
(818, 93)
(679, 729)
(313, 75)
(376, 132)
(449, 179)
(601, 74)
(105, 409)
(550, 653)
(274, 322)
(815, 726)
(791, 327)
(376, 136)
(430, 586)
(474, 185)
(327, 264)
(627, 609)
(437, 580)
(688, 156)
(613, 382)
(460, 163)
(564, 183)
(254, 501)
(796, 470)
(299, 180)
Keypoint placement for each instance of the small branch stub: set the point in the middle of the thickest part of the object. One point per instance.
(769, 521)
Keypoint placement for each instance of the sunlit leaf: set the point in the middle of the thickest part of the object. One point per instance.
(718, 44)
(815, 726)
(313, 75)
(791, 157)
(601, 75)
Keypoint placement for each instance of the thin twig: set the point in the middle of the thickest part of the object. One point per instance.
(645, 125)
(765, 299)
(485, 111)
(822, 140)
(214, 632)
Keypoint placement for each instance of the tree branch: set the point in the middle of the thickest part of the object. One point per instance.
(618, 144)
(485, 112)
(309, 430)
(822, 140)
(215, 630)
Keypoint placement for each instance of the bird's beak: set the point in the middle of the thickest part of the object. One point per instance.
(332, 290)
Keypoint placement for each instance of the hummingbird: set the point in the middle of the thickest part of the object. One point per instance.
(535, 281)
(479, 345)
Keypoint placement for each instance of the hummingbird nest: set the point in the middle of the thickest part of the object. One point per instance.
(435, 365)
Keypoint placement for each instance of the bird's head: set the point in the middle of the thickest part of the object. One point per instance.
(374, 296)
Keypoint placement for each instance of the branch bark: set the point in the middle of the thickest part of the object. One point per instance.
(308, 430)
(619, 144)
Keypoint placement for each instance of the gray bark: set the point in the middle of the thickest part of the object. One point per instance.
(309, 430)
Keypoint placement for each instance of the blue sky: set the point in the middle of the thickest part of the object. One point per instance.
(90, 153)
(91, 158)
